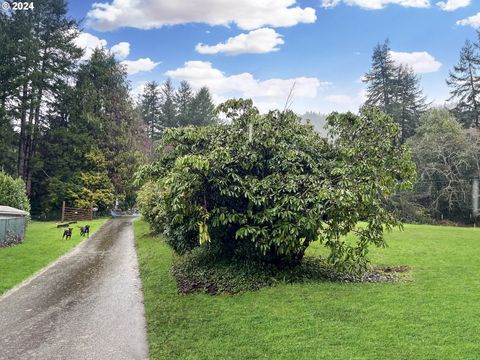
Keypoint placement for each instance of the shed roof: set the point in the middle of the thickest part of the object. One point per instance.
(7, 210)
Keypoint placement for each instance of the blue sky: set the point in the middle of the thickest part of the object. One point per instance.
(259, 49)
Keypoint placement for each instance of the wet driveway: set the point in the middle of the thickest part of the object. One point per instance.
(89, 305)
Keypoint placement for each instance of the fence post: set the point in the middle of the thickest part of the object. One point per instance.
(63, 211)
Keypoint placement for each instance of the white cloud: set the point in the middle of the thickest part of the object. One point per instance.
(88, 43)
(473, 21)
(377, 4)
(344, 102)
(138, 89)
(121, 50)
(339, 99)
(136, 66)
(420, 61)
(271, 93)
(451, 5)
(246, 14)
(258, 41)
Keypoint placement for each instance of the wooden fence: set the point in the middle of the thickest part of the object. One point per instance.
(76, 214)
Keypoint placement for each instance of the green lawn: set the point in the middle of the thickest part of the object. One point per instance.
(43, 244)
(434, 316)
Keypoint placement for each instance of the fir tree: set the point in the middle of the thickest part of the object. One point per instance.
(103, 109)
(465, 83)
(203, 108)
(150, 109)
(396, 90)
(167, 108)
(409, 101)
(8, 73)
(183, 103)
(381, 79)
(42, 63)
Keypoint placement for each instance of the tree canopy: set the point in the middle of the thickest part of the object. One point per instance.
(164, 107)
(464, 80)
(395, 89)
(447, 159)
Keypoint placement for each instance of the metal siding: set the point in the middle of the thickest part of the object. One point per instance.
(12, 225)
(3, 228)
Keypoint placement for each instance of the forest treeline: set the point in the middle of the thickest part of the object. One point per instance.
(69, 128)
(444, 141)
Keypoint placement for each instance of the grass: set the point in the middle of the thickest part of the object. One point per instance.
(42, 245)
(434, 316)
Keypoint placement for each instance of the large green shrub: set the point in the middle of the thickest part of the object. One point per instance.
(12, 192)
(266, 186)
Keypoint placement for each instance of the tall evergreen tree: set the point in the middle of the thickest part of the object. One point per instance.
(396, 90)
(103, 109)
(381, 79)
(203, 108)
(43, 62)
(60, 159)
(409, 101)
(464, 80)
(9, 74)
(94, 113)
(183, 103)
(168, 110)
(150, 103)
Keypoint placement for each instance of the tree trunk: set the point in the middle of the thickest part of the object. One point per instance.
(474, 97)
(33, 142)
(22, 138)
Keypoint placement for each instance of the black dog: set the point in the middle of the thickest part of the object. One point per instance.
(67, 234)
(85, 230)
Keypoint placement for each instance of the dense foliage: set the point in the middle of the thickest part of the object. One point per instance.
(98, 190)
(94, 143)
(464, 82)
(197, 271)
(38, 57)
(56, 106)
(266, 186)
(164, 107)
(12, 192)
(448, 159)
(395, 89)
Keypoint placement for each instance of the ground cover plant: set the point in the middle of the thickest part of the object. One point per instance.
(42, 244)
(432, 316)
(197, 271)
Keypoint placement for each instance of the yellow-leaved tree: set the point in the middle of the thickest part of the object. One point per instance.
(98, 190)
